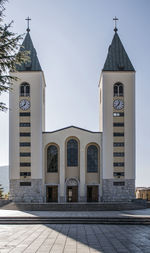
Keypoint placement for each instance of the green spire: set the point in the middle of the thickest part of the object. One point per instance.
(117, 58)
(34, 64)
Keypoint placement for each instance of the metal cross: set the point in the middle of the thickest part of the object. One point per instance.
(28, 20)
(115, 19)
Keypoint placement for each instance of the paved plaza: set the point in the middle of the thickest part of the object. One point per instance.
(71, 238)
(74, 238)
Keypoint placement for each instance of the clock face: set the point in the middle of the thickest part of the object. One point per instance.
(24, 104)
(118, 104)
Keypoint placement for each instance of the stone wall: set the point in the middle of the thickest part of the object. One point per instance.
(117, 192)
(33, 193)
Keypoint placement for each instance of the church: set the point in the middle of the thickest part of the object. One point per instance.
(73, 164)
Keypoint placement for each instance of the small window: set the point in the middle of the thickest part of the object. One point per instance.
(25, 154)
(119, 124)
(25, 164)
(118, 154)
(24, 90)
(25, 134)
(25, 183)
(92, 159)
(118, 114)
(118, 144)
(24, 114)
(119, 183)
(118, 164)
(25, 144)
(72, 153)
(25, 174)
(24, 124)
(52, 159)
(118, 134)
(118, 174)
(118, 90)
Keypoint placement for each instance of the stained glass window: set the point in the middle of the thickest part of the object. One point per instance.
(92, 159)
(52, 159)
(72, 153)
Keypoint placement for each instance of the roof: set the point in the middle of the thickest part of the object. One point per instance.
(72, 127)
(117, 58)
(34, 64)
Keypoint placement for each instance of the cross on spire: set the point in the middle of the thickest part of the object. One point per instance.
(115, 19)
(28, 20)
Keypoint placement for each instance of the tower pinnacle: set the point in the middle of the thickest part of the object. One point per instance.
(115, 19)
(28, 20)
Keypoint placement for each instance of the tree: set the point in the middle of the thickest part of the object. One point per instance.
(1, 192)
(9, 55)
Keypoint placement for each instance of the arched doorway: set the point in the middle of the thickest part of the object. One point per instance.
(72, 190)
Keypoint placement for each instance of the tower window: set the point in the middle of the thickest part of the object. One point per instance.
(52, 159)
(25, 164)
(118, 174)
(119, 183)
(25, 154)
(118, 134)
(118, 90)
(25, 144)
(118, 114)
(24, 114)
(92, 159)
(25, 134)
(72, 153)
(119, 154)
(24, 124)
(118, 124)
(24, 90)
(118, 144)
(118, 164)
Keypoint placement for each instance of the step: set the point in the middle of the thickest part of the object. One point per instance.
(76, 220)
(112, 206)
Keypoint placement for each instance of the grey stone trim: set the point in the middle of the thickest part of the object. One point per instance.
(118, 193)
(28, 194)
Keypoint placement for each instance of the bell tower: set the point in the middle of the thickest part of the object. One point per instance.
(117, 122)
(26, 123)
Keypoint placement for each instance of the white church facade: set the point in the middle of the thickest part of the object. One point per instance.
(73, 164)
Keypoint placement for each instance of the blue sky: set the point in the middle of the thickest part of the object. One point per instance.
(72, 38)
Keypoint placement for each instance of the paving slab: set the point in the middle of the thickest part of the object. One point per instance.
(76, 238)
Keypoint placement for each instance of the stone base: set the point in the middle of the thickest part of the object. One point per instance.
(113, 192)
(33, 193)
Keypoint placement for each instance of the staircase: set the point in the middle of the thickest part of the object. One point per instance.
(76, 220)
(112, 206)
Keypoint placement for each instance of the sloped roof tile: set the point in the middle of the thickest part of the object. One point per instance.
(117, 58)
(34, 64)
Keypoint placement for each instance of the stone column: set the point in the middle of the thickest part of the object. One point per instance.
(62, 176)
(82, 197)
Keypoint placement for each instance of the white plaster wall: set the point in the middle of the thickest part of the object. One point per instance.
(36, 81)
(106, 118)
(14, 170)
(59, 137)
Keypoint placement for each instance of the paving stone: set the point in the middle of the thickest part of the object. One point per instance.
(76, 238)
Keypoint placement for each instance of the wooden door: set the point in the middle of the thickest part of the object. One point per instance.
(72, 194)
(52, 193)
(92, 193)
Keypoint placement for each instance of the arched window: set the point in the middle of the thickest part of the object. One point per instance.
(24, 90)
(118, 90)
(92, 158)
(72, 153)
(52, 159)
